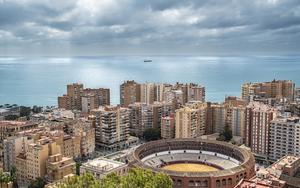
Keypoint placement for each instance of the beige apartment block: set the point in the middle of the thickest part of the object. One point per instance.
(187, 123)
(258, 120)
(278, 89)
(141, 118)
(159, 110)
(12, 147)
(78, 98)
(130, 92)
(59, 167)
(148, 93)
(168, 127)
(112, 126)
(10, 128)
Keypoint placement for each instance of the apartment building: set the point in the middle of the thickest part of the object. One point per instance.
(191, 92)
(168, 127)
(175, 97)
(89, 102)
(235, 116)
(112, 126)
(159, 110)
(84, 132)
(148, 93)
(141, 118)
(72, 100)
(159, 92)
(59, 167)
(297, 94)
(284, 137)
(237, 121)
(12, 147)
(31, 164)
(43, 159)
(284, 173)
(130, 92)
(179, 94)
(258, 121)
(72, 146)
(195, 92)
(189, 123)
(277, 89)
(218, 117)
(78, 98)
(10, 128)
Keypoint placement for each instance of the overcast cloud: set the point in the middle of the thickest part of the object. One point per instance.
(105, 27)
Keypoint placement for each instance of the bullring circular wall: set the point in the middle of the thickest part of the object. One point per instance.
(233, 162)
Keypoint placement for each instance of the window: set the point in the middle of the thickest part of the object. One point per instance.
(223, 182)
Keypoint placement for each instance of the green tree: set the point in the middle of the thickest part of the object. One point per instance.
(111, 181)
(37, 109)
(13, 175)
(25, 111)
(136, 178)
(78, 164)
(37, 183)
(11, 117)
(5, 178)
(226, 135)
(85, 180)
(152, 134)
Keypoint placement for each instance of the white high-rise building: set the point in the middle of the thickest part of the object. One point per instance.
(284, 137)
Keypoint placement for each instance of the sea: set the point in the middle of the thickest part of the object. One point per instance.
(40, 80)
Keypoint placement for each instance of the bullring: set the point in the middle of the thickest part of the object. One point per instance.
(228, 163)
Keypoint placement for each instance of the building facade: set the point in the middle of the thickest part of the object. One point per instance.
(168, 127)
(258, 120)
(130, 92)
(189, 123)
(78, 98)
(59, 167)
(141, 118)
(284, 137)
(112, 126)
(277, 89)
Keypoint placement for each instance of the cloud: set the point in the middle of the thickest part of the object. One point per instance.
(150, 27)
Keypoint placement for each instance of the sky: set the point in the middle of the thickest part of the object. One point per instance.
(156, 27)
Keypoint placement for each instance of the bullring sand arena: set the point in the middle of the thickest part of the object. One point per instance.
(195, 162)
(190, 167)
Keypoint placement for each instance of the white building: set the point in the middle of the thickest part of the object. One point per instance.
(284, 137)
(100, 167)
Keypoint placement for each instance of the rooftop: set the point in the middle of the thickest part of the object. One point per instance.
(257, 106)
(252, 184)
(284, 119)
(103, 164)
(274, 172)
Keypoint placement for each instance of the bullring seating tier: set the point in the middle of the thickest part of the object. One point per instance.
(220, 161)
